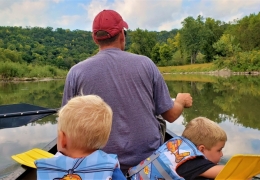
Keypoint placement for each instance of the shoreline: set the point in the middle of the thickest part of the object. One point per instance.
(221, 73)
(34, 79)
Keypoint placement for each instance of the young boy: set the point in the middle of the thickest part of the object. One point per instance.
(194, 155)
(84, 126)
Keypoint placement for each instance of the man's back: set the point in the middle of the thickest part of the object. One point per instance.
(134, 88)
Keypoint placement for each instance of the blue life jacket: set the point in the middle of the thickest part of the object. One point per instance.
(163, 163)
(98, 165)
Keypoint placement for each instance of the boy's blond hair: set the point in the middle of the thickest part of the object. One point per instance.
(86, 121)
(203, 131)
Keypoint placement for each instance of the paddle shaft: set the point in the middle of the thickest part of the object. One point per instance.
(28, 113)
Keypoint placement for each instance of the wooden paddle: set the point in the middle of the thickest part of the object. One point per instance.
(15, 115)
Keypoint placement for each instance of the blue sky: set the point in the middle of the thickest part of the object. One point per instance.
(154, 15)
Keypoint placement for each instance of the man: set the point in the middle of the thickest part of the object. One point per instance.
(132, 85)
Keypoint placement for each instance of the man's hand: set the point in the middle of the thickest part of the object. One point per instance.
(185, 99)
(182, 100)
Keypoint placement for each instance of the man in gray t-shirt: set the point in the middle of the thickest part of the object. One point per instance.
(132, 85)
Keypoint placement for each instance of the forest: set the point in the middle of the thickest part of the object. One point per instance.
(48, 52)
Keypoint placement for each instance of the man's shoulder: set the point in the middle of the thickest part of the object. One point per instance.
(84, 62)
(140, 56)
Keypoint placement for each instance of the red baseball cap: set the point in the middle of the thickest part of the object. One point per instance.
(109, 21)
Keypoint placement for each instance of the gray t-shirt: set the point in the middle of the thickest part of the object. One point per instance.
(136, 91)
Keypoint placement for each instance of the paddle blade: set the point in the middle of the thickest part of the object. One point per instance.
(27, 158)
(240, 167)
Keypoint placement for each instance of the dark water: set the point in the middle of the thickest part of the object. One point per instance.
(232, 102)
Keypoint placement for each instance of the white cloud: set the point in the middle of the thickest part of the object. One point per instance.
(151, 15)
(65, 21)
(35, 13)
(57, 1)
(227, 10)
(167, 15)
(145, 14)
(94, 7)
(24, 13)
(176, 24)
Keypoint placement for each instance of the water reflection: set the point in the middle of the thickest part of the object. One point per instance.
(241, 140)
(36, 134)
(46, 93)
(232, 102)
(236, 99)
(20, 139)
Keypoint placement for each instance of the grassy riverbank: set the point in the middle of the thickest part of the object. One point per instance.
(10, 71)
(206, 67)
(24, 72)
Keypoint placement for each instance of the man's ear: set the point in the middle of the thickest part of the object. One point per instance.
(201, 148)
(122, 37)
(62, 139)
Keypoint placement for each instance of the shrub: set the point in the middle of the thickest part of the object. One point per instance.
(11, 70)
(242, 61)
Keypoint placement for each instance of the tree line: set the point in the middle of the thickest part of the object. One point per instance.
(235, 44)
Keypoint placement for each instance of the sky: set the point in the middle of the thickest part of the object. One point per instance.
(152, 15)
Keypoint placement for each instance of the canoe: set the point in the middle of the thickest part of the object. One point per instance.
(24, 172)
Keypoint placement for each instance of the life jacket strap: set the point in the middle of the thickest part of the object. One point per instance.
(145, 163)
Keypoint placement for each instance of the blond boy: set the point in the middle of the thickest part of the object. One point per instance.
(210, 139)
(194, 155)
(84, 126)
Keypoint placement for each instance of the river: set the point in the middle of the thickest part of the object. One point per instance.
(231, 102)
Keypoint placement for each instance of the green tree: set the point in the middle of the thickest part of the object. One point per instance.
(143, 42)
(1, 43)
(247, 32)
(165, 54)
(192, 36)
(174, 42)
(13, 56)
(226, 46)
(156, 54)
(213, 31)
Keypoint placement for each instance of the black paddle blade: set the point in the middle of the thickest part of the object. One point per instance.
(15, 115)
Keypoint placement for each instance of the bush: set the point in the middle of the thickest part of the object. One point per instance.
(200, 58)
(11, 70)
(177, 59)
(242, 61)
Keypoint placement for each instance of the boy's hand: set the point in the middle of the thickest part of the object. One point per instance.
(185, 99)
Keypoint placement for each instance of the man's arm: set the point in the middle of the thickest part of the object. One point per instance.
(182, 100)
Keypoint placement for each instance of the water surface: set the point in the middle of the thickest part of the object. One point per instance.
(232, 102)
